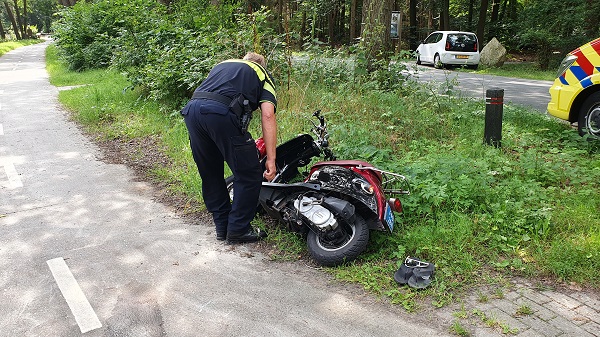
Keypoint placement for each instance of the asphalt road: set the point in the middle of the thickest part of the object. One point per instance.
(85, 249)
(528, 93)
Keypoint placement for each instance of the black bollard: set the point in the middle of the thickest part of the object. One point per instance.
(494, 100)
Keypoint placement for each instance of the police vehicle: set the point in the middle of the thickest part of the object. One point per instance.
(575, 94)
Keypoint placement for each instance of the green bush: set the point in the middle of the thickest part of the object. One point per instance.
(165, 52)
(86, 32)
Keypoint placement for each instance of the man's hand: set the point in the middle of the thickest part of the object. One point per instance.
(270, 170)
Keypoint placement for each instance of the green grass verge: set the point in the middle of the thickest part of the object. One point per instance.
(525, 70)
(6, 46)
(481, 214)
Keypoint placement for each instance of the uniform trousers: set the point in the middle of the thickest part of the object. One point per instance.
(216, 137)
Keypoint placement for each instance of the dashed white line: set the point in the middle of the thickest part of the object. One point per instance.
(13, 177)
(84, 314)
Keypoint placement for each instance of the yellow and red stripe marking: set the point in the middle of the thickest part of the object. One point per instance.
(588, 55)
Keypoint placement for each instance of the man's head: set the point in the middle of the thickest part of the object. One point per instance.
(254, 57)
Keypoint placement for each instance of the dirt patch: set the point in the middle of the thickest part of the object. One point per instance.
(142, 156)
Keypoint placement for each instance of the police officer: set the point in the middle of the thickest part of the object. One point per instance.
(213, 117)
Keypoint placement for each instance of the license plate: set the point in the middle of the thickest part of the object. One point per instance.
(389, 217)
(462, 56)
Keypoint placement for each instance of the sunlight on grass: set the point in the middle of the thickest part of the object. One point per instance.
(7, 46)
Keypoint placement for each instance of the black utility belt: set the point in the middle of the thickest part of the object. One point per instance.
(240, 106)
(236, 105)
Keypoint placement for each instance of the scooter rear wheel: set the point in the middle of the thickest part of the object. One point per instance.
(330, 254)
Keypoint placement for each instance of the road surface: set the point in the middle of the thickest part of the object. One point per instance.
(528, 93)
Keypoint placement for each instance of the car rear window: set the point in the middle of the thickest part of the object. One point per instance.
(461, 42)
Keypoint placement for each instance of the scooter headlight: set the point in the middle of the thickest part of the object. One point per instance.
(363, 185)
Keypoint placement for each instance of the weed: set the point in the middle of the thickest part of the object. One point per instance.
(524, 310)
(459, 330)
(493, 323)
(482, 298)
(462, 313)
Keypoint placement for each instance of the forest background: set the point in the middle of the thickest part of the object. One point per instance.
(529, 208)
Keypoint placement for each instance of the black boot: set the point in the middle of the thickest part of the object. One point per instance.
(252, 235)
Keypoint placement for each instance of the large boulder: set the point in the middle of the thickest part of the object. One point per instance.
(493, 54)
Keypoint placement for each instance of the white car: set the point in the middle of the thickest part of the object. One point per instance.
(455, 48)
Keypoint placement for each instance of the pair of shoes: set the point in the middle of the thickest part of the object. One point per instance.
(417, 274)
(221, 236)
(252, 235)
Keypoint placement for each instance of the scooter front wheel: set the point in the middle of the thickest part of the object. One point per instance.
(330, 253)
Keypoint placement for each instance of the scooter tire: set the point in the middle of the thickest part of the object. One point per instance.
(350, 250)
(229, 184)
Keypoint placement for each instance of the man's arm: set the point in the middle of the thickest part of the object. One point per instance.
(269, 130)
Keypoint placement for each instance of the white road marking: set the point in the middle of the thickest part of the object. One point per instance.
(80, 307)
(13, 177)
(1, 128)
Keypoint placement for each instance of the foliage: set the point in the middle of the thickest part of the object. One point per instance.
(86, 32)
(543, 29)
(165, 54)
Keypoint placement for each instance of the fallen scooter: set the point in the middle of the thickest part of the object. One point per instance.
(337, 203)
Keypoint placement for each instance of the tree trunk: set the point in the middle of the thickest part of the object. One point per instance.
(25, 28)
(2, 32)
(376, 41)
(445, 15)
(481, 23)
(495, 10)
(413, 39)
(353, 23)
(12, 20)
(470, 15)
(19, 19)
(377, 15)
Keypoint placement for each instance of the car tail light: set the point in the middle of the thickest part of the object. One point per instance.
(395, 205)
(447, 45)
(475, 46)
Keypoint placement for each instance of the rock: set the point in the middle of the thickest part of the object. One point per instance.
(493, 54)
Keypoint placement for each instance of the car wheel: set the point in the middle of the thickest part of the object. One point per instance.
(437, 62)
(418, 60)
(589, 116)
(474, 66)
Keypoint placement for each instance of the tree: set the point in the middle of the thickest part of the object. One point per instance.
(481, 22)
(412, 28)
(377, 15)
(11, 17)
(2, 32)
(445, 15)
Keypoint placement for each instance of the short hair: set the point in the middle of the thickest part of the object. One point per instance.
(254, 57)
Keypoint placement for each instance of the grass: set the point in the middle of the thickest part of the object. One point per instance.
(479, 213)
(6, 46)
(525, 70)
